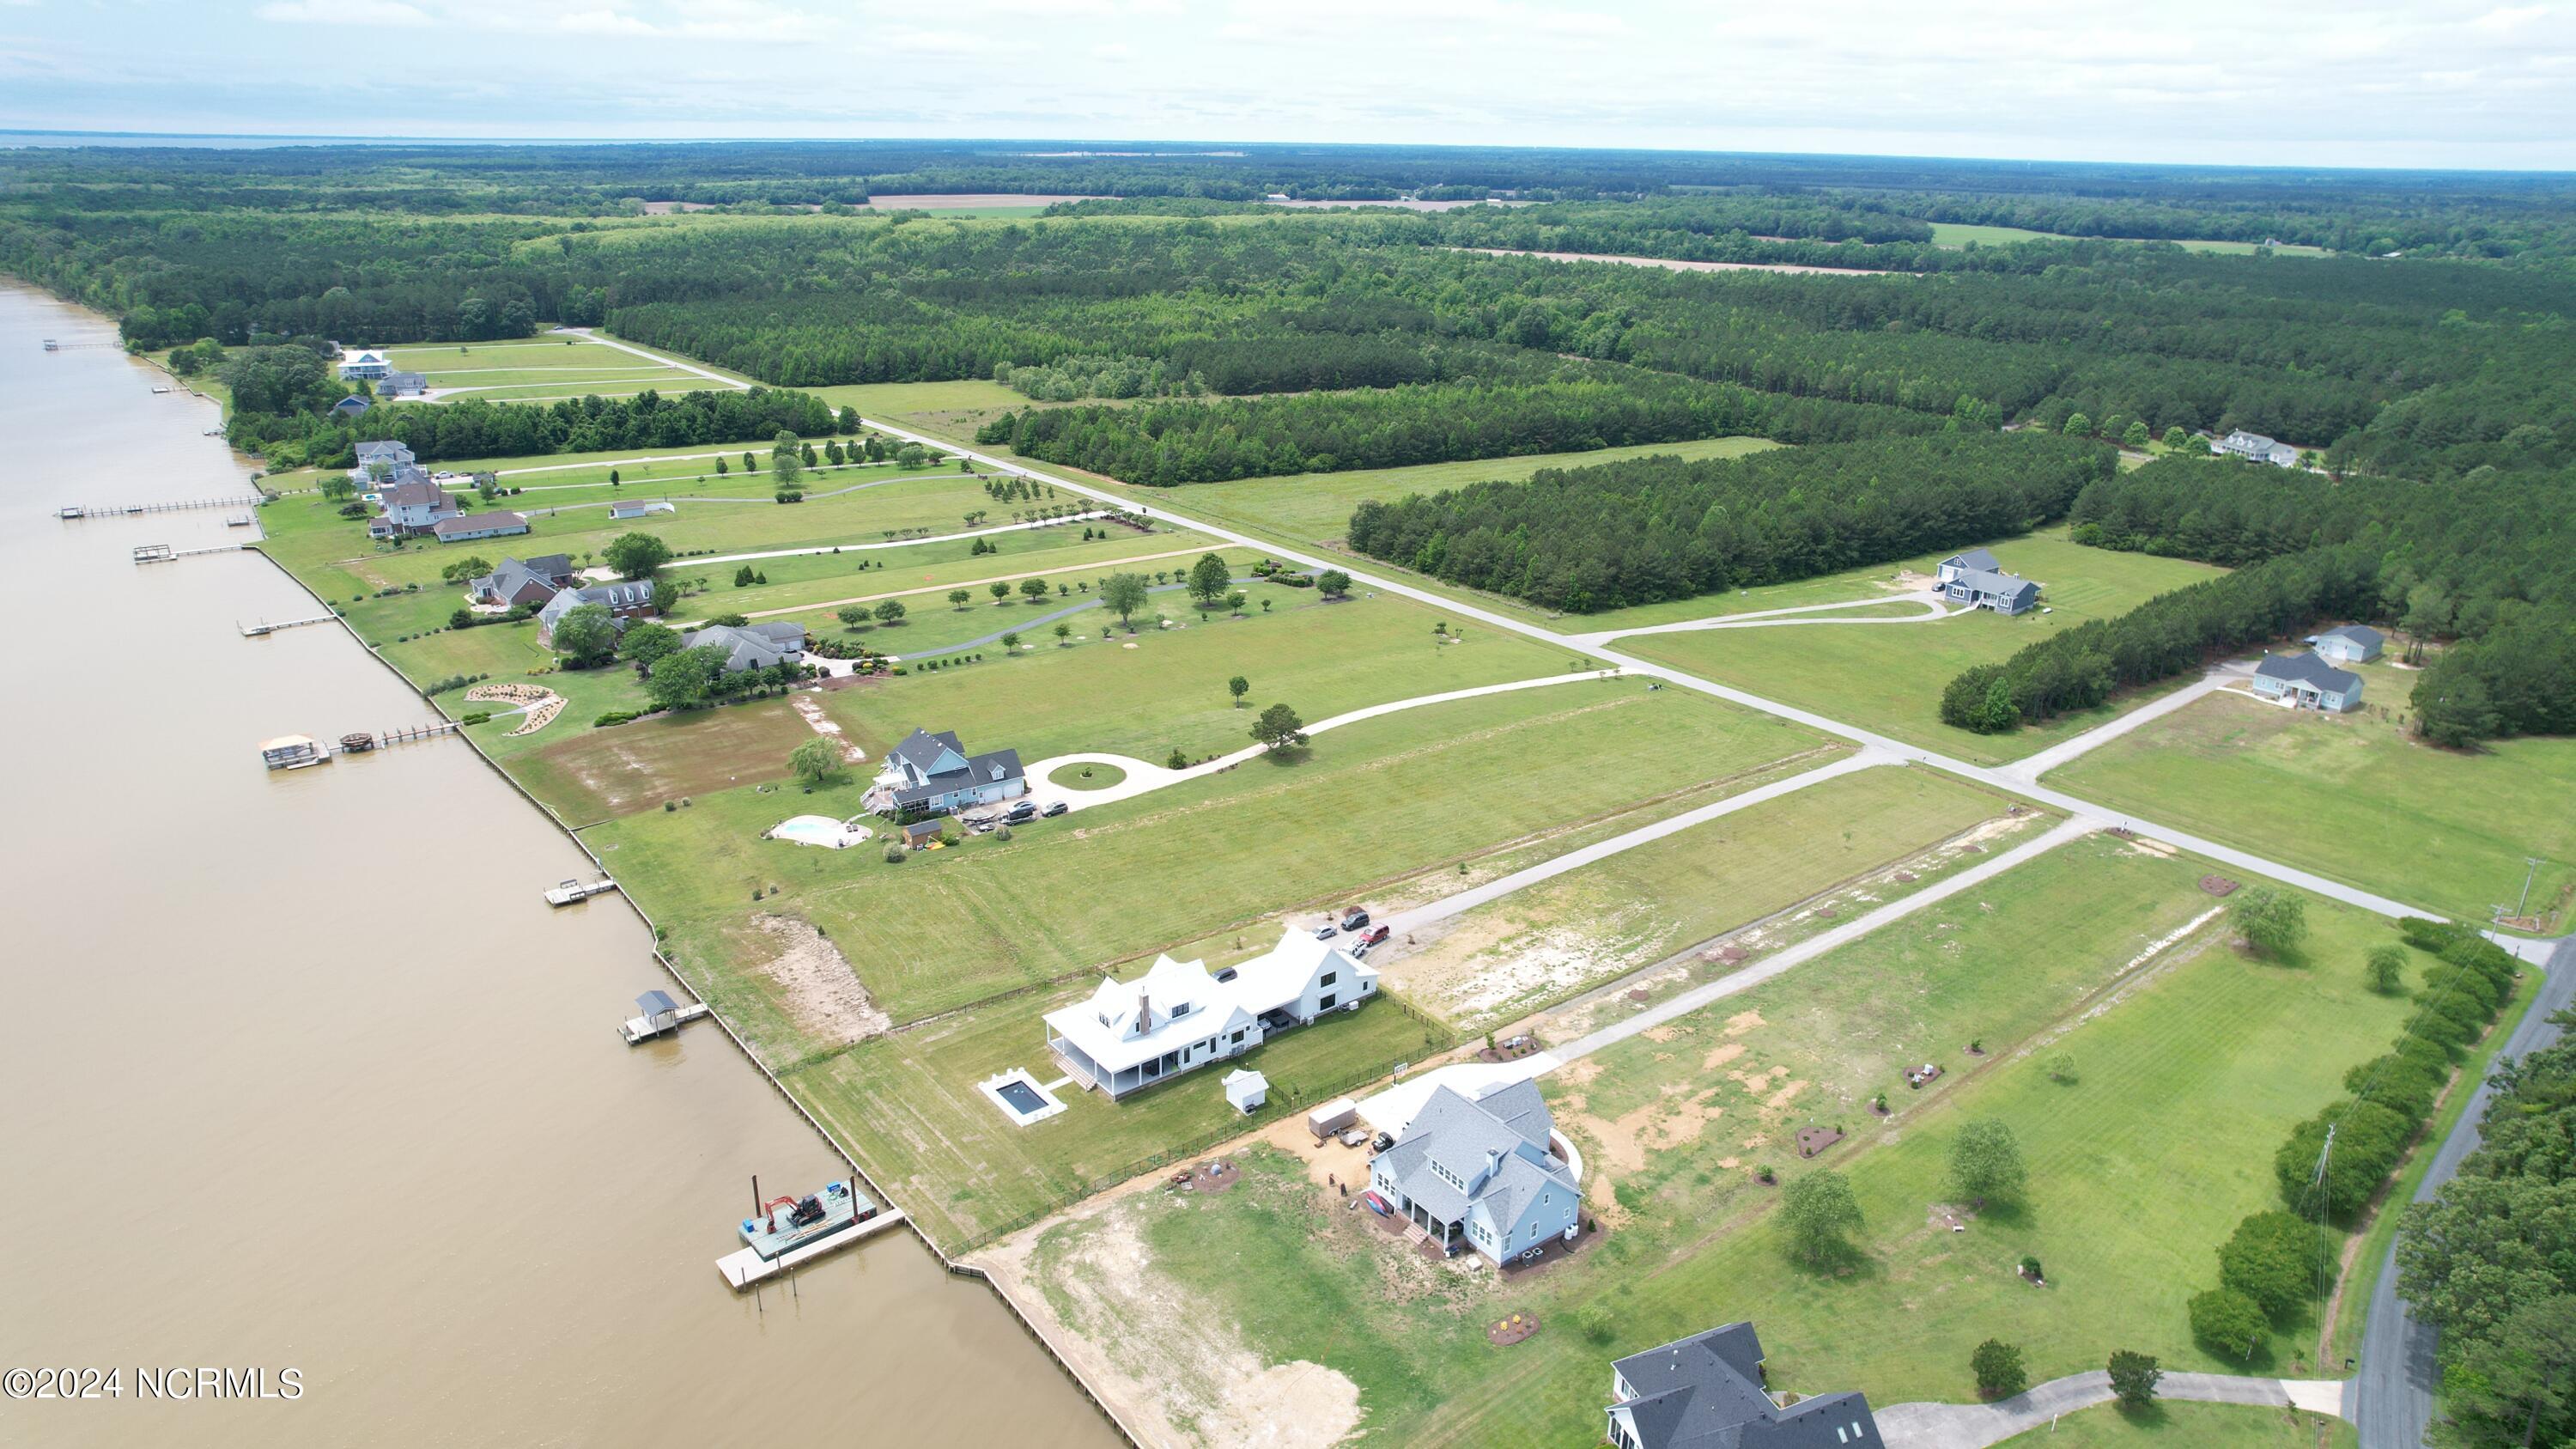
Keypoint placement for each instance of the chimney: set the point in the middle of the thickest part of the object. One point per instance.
(1493, 1161)
(1144, 1014)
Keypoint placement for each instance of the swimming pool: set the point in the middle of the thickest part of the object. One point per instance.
(1021, 1097)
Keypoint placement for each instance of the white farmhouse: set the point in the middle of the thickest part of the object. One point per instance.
(1180, 1016)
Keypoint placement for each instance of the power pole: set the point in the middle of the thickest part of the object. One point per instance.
(2532, 861)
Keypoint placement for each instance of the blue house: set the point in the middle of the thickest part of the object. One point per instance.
(1707, 1392)
(1482, 1174)
(2351, 644)
(2308, 682)
(932, 774)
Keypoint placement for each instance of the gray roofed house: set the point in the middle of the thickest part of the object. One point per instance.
(1984, 589)
(1707, 1392)
(351, 406)
(1482, 1173)
(479, 525)
(2255, 447)
(388, 452)
(1975, 559)
(2351, 644)
(933, 773)
(750, 646)
(624, 599)
(411, 504)
(2308, 682)
(401, 384)
(530, 581)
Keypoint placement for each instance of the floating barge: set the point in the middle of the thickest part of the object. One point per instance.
(789, 1231)
(660, 1016)
(570, 891)
(294, 752)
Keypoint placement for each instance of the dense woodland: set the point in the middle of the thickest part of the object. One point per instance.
(1647, 529)
(2477, 568)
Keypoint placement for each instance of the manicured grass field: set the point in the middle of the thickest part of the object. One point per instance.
(896, 401)
(553, 366)
(908, 1107)
(2189, 1069)
(1222, 851)
(2354, 797)
(1540, 945)
(1168, 691)
(2178, 1425)
(1960, 233)
(1890, 677)
(809, 587)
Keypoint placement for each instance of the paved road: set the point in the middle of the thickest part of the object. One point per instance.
(2393, 1391)
(2073, 806)
(1974, 1426)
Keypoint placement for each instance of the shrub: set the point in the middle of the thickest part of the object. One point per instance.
(2367, 1140)
(1999, 1370)
(2030, 1267)
(2134, 1375)
(2275, 1259)
(2227, 1321)
(894, 854)
(1594, 1322)
(475, 717)
(615, 717)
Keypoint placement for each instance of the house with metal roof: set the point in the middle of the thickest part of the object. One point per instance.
(1707, 1392)
(1483, 1173)
(2308, 682)
(933, 774)
(750, 646)
(1180, 1016)
(2256, 448)
(639, 507)
(624, 599)
(468, 526)
(524, 581)
(2350, 644)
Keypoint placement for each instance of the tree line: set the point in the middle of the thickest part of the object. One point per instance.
(1647, 529)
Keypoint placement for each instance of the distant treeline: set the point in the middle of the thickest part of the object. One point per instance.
(476, 428)
(1170, 443)
(2480, 564)
(1648, 529)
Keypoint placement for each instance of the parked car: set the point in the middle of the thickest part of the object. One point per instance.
(1360, 951)
(1381, 1142)
(1380, 934)
(980, 827)
(1025, 810)
(1327, 931)
(1354, 1136)
(1056, 809)
(1356, 919)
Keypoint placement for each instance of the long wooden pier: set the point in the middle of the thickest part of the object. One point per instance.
(263, 627)
(164, 553)
(121, 510)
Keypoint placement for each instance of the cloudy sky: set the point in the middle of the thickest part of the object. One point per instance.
(2311, 82)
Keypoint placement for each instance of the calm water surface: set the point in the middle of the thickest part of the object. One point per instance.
(298, 1071)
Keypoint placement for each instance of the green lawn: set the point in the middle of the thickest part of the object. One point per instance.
(1168, 691)
(896, 401)
(1890, 677)
(932, 623)
(1959, 234)
(1503, 960)
(2191, 1063)
(2355, 797)
(570, 365)
(1219, 852)
(815, 584)
(2190, 1426)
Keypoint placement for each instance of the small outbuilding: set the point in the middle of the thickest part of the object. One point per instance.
(1246, 1090)
(2351, 644)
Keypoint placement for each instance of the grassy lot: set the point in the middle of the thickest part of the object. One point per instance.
(933, 623)
(2199, 1426)
(1959, 234)
(1218, 852)
(908, 1107)
(815, 584)
(1168, 691)
(1537, 946)
(2354, 797)
(899, 401)
(552, 367)
(1890, 677)
(589, 775)
(2192, 1061)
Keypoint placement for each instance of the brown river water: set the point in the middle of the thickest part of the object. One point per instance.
(299, 1072)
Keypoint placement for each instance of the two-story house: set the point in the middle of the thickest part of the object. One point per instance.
(1707, 1392)
(411, 507)
(624, 599)
(1976, 578)
(364, 366)
(931, 774)
(524, 581)
(1180, 1016)
(1483, 1173)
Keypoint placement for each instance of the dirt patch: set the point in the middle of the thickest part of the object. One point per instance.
(1510, 1329)
(1812, 1140)
(819, 989)
(811, 711)
(2217, 885)
(1172, 1373)
(599, 774)
(1675, 1119)
(1744, 1021)
(1719, 1056)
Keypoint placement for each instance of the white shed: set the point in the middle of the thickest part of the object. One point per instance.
(1246, 1090)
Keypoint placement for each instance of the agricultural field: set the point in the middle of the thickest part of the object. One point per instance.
(1959, 234)
(1890, 677)
(2356, 797)
(1226, 851)
(2185, 1061)
(1544, 943)
(534, 368)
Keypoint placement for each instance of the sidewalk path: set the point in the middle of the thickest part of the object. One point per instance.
(1974, 1426)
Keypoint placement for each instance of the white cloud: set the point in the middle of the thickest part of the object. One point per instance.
(342, 12)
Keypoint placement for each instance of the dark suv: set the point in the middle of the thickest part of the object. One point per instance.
(1356, 919)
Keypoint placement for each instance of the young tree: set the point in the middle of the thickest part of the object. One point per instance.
(612, 478)
(1011, 640)
(2061, 1069)
(749, 463)
(1124, 594)
(2136, 435)
(1333, 583)
(586, 634)
(1985, 1162)
(1820, 1211)
(816, 761)
(1235, 601)
(1238, 686)
(2386, 968)
(742, 577)
(1998, 1368)
(2078, 426)
(2272, 920)
(2175, 437)
(1000, 589)
(852, 615)
(960, 598)
(786, 464)
(1034, 590)
(890, 612)
(722, 467)
(463, 618)
(646, 641)
(1279, 728)
(912, 455)
(465, 568)
(2227, 1321)
(2134, 1375)
(1209, 578)
(338, 487)
(1063, 632)
(636, 555)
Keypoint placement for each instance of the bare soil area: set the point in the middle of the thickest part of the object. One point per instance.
(817, 985)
